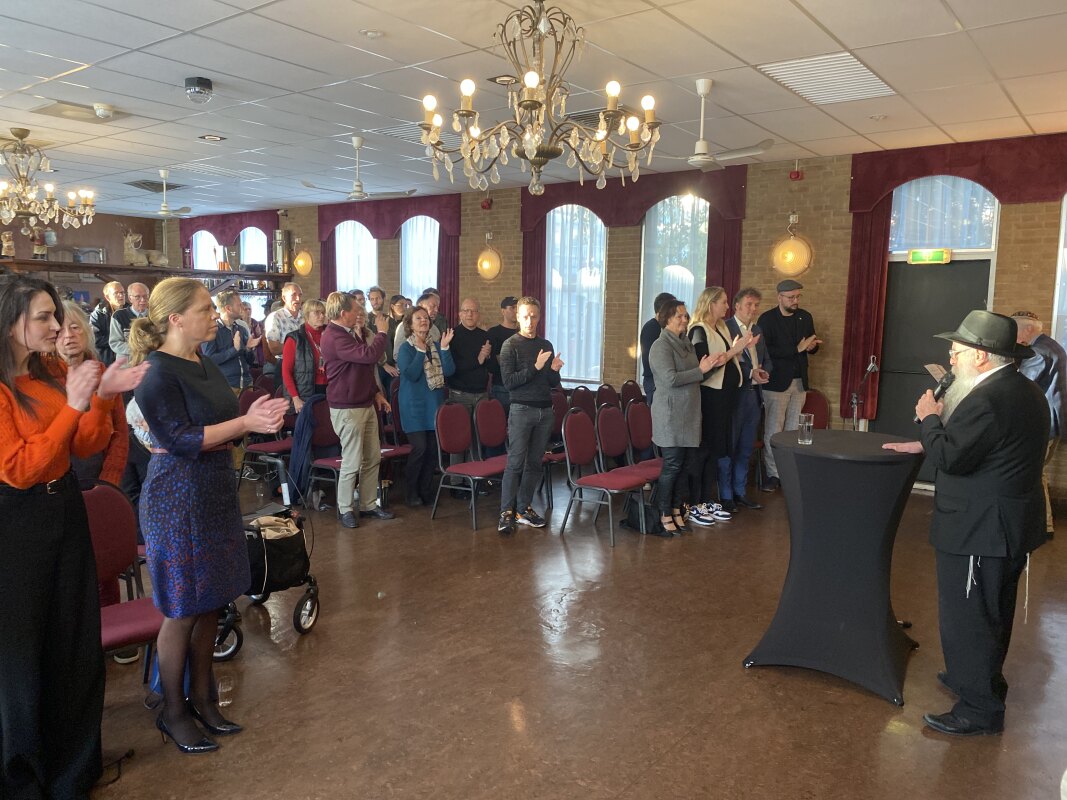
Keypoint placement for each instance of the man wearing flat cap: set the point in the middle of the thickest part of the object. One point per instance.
(789, 333)
(987, 441)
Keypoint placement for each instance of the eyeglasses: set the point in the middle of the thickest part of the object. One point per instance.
(953, 352)
(791, 296)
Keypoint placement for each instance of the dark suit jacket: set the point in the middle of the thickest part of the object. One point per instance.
(782, 341)
(989, 457)
(1047, 370)
(745, 359)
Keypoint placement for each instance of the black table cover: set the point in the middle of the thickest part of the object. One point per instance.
(845, 496)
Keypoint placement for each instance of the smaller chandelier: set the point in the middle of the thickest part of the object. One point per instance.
(20, 193)
(540, 45)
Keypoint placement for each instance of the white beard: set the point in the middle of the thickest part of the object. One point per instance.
(960, 388)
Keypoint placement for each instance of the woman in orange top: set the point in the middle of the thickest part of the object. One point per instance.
(51, 664)
(74, 345)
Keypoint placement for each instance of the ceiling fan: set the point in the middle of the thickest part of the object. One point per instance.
(357, 192)
(165, 211)
(705, 161)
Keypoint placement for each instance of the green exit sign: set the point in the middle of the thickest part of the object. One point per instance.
(941, 255)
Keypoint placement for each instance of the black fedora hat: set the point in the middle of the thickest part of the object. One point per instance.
(994, 333)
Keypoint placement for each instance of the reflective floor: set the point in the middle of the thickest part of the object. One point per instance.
(448, 663)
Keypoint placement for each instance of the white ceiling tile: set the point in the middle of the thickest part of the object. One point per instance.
(782, 151)
(978, 13)
(916, 137)
(896, 114)
(173, 72)
(1055, 122)
(675, 142)
(186, 15)
(772, 30)
(1039, 94)
(16, 33)
(797, 124)
(839, 146)
(861, 24)
(474, 24)
(86, 20)
(963, 103)
(387, 104)
(988, 129)
(17, 81)
(477, 65)
(31, 63)
(920, 65)
(1025, 48)
(596, 67)
(661, 44)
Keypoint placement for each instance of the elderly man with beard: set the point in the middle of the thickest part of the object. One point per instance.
(987, 441)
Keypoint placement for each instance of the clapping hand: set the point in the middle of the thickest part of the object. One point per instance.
(760, 375)
(542, 358)
(118, 378)
(808, 343)
(557, 363)
(253, 343)
(707, 363)
(265, 415)
(446, 338)
(82, 381)
(485, 352)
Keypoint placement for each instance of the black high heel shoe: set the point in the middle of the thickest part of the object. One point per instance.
(205, 745)
(227, 728)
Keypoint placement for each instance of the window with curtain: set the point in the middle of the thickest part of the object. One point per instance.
(943, 211)
(674, 251)
(206, 251)
(418, 255)
(357, 256)
(253, 243)
(575, 250)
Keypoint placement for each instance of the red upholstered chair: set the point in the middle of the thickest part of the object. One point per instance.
(490, 425)
(613, 442)
(555, 455)
(113, 528)
(328, 468)
(817, 404)
(606, 393)
(265, 383)
(579, 443)
(582, 398)
(639, 426)
(631, 390)
(391, 454)
(454, 437)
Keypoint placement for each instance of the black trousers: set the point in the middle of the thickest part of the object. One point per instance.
(133, 477)
(51, 662)
(418, 475)
(976, 630)
(672, 488)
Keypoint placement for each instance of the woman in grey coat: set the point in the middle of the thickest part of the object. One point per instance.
(676, 408)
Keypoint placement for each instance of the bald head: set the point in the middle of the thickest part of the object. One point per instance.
(470, 313)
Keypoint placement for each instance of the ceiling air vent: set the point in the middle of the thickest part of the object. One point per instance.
(833, 78)
(412, 134)
(155, 186)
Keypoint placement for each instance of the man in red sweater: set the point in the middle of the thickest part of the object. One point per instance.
(351, 353)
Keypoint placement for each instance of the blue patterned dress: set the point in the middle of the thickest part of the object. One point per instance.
(189, 511)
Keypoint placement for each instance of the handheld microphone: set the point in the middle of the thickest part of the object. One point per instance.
(942, 387)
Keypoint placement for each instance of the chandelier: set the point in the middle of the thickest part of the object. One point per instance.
(20, 193)
(540, 44)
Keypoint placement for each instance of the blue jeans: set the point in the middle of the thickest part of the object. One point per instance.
(649, 385)
(529, 430)
(733, 474)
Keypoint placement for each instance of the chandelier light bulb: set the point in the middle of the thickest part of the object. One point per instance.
(436, 120)
(613, 89)
(632, 124)
(466, 88)
(648, 102)
(50, 188)
(531, 79)
(474, 131)
(429, 104)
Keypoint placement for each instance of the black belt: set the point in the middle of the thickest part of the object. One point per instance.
(51, 487)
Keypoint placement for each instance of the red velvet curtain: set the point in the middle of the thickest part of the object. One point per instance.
(534, 250)
(328, 266)
(865, 304)
(724, 253)
(448, 275)
(383, 218)
(227, 227)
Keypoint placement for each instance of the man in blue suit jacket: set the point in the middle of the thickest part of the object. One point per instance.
(755, 371)
(1048, 369)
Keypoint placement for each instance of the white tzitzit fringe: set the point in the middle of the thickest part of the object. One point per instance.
(1026, 595)
(970, 575)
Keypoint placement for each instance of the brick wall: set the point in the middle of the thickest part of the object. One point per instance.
(303, 226)
(502, 220)
(622, 298)
(821, 200)
(389, 267)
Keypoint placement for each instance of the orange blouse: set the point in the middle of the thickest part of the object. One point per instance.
(37, 449)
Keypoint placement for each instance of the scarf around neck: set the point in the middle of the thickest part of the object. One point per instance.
(431, 365)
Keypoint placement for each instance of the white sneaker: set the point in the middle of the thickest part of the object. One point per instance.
(698, 516)
(718, 512)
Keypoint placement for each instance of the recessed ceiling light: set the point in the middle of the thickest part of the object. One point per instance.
(504, 80)
(833, 78)
(212, 137)
(371, 33)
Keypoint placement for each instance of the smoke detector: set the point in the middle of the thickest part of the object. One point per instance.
(199, 90)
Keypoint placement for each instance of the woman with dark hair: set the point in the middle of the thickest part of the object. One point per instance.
(677, 372)
(74, 345)
(303, 368)
(189, 514)
(51, 662)
(424, 365)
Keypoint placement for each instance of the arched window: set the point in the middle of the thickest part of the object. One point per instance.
(943, 211)
(575, 250)
(206, 251)
(357, 257)
(418, 255)
(674, 251)
(1059, 312)
(253, 243)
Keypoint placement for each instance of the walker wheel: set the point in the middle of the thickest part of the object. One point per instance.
(306, 613)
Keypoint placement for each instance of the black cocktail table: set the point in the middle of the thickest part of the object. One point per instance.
(845, 497)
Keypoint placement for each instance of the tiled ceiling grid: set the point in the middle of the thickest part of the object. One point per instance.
(295, 79)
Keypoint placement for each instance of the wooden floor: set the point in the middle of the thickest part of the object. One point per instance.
(455, 664)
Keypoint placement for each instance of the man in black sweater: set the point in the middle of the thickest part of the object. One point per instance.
(650, 331)
(530, 368)
(499, 334)
(470, 351)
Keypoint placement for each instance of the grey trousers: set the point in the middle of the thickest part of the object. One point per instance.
(780, 410)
